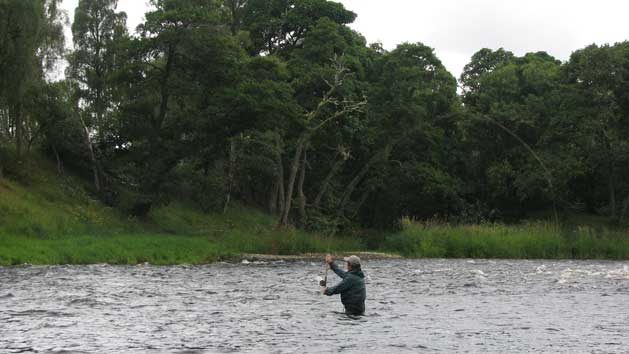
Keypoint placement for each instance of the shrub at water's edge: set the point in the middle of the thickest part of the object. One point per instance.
(526, 241)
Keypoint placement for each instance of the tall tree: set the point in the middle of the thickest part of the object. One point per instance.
(411, 97)
(31, 40)
(97, 31)
(326, 72)
(516, 104)
(276, 26)
(600, 76)
(184, 58)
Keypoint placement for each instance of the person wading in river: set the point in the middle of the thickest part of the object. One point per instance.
(351, 288)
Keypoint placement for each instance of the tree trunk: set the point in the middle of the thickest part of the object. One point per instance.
(612, 195)
(281, 193)
(300, 189)
(19, 130)
(326, 182)
(276, 199)
(290, 187)
(234, 8)
(362, 201)
(58, 158)
(90, 148)
(625, 208)
(230, 174)
(165, 88)
(28, 138)
(275, 191)
(281, 196)
(382, 155)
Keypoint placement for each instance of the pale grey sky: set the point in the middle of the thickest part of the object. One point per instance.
(458, 28)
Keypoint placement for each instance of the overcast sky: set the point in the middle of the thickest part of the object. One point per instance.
(459, 28)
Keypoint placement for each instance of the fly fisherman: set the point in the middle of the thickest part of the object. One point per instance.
(351, 288)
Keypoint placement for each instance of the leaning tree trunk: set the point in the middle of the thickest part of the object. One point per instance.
(230, 174)
(275, 191)
(93, 160)
(276, 199)
(326, 182)
(281, 197)
(612, 194)
(300, 189)
(290, 187)
(383, 155)
(58, 159)
(362, 201)
(19, 130)
(625, 208)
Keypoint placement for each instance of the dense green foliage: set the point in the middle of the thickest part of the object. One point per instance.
(281, 106)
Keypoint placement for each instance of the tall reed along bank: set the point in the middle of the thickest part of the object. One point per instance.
(537, 240)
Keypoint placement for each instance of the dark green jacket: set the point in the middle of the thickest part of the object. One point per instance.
(352, 290)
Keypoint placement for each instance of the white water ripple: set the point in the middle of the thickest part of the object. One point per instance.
(427, 306)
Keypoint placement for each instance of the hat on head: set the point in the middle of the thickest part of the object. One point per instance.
(353, 260)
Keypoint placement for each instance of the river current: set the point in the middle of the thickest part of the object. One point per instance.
(423, 306)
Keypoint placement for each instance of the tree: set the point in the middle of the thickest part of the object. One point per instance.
(411, 99)
(599, 75)
(180, 64)
(482, 63)
(31, 39)
(97, 31)
(314, 121)
(515, 104)
(277, 26)
(325, 73)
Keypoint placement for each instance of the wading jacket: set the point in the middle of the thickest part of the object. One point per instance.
(352, 290)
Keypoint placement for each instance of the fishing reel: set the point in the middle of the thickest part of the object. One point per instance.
(323, 282)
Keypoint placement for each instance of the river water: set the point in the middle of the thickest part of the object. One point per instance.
(425, 306)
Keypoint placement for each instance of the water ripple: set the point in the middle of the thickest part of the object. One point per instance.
(432, 306)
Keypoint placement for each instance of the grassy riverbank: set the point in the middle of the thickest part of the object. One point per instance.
(173, 235)
(528, 241)
(49, 219)
(202, 239)
(156, 248)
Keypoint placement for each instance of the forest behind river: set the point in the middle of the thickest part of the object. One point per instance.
(275, 120)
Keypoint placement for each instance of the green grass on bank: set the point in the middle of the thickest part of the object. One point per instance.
(184, 235)
(50, 219)
(528, 241)
(48, 206)
(165, 248)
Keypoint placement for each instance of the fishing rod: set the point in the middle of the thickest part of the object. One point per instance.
(324, 281)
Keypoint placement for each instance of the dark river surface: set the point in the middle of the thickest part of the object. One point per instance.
(424, 306)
